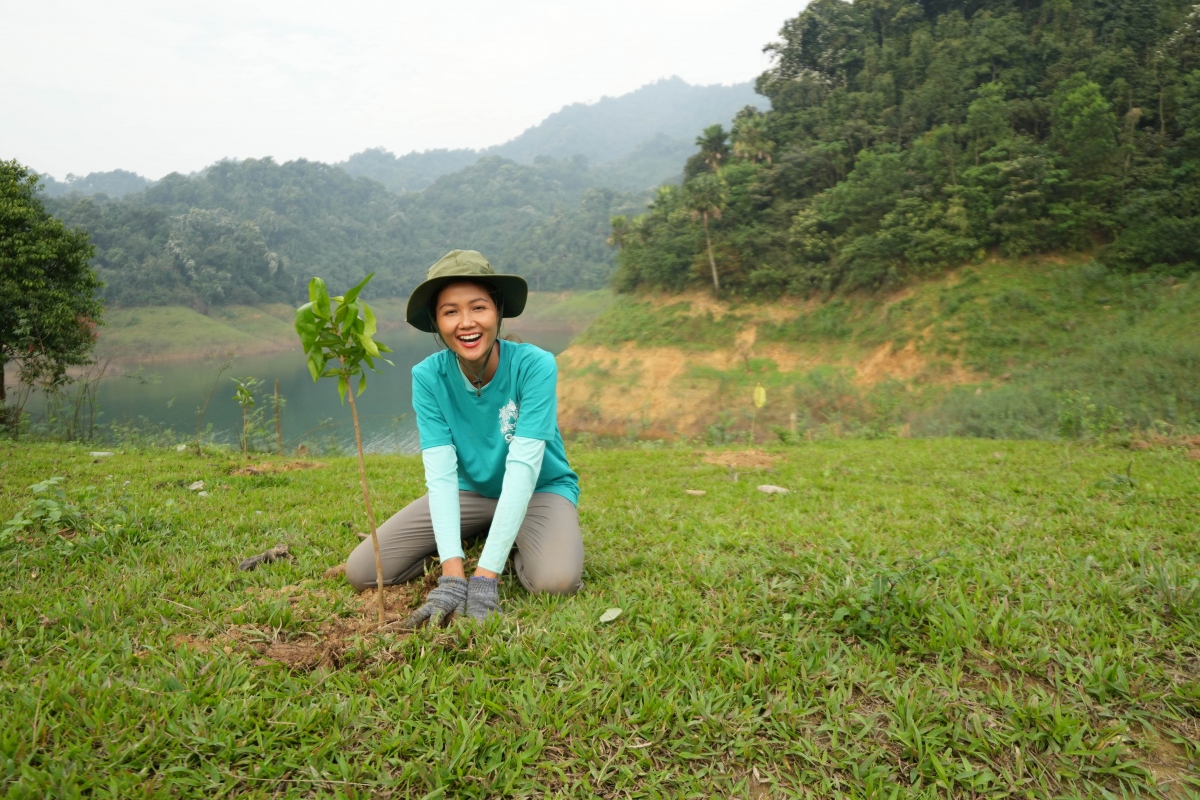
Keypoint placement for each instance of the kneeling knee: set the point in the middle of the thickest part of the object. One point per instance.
(559, 582)
(360, 573)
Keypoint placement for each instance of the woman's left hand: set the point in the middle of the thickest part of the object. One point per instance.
(483, 598)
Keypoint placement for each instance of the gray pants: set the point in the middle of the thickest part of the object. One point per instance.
(549, 545)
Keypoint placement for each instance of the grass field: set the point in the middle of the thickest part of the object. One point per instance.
(916, 618)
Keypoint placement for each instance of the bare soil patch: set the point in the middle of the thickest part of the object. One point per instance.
(740, 459)
(1190, 445)
(333, 637)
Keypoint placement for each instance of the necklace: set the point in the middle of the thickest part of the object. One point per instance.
(477, 381)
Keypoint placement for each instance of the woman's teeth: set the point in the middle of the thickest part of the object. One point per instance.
(470, 339)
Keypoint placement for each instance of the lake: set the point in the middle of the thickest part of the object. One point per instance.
(169, 393)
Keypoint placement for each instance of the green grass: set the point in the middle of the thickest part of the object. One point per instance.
(918, 618)
(177, 331)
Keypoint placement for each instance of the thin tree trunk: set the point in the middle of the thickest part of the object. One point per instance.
(278, 420)
(362, 476)
(711, 261)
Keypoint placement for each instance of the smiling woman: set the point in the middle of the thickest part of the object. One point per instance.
(494, 461)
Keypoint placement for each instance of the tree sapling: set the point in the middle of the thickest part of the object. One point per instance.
(244, 395)
(341, 329)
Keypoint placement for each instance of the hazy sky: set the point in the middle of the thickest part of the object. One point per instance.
(157, 87)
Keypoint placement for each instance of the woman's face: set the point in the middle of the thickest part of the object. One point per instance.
(467, 319)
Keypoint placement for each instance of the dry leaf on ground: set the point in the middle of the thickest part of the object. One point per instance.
(274, 554)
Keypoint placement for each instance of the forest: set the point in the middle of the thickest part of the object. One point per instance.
(244, 232)
(908, 137)
(255, 231)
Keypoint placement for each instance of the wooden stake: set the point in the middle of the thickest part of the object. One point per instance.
(278, 421)
(362, 476)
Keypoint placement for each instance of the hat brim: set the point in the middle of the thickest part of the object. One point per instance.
(514, 291)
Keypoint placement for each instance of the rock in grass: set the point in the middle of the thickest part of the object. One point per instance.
(768, 488)
(99, 454)
(197, 486)
(695, 492)
(274, 554)
(610, 615)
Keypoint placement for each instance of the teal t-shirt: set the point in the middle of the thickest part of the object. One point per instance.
(520, 400)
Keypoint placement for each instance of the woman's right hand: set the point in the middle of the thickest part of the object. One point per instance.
(450, 597)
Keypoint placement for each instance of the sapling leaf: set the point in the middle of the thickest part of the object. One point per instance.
(318, 295)
(342, 388)
(353, 293)
(362, 382)
(369, 323)
(367, 344)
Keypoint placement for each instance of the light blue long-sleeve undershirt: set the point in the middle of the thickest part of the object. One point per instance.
(521, 469)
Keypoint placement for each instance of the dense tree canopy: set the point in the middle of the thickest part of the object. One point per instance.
(48, 308)
(254, 231)
(910, 136)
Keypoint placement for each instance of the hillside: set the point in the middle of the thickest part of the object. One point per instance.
(171, 332)
(632, 142)
(1037, 348)
(906, 138)
(254, 231)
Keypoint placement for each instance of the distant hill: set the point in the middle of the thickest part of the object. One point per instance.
(611, 128)
(408, 173)
(631, 142)
(117, 183)
(255, 231)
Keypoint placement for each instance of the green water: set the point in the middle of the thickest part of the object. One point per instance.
(169, 394)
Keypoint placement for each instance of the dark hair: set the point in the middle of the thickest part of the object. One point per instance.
(493, 292)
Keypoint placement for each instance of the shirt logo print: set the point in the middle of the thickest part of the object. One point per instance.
(508, 420)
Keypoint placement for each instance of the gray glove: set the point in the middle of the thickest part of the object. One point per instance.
(448, 598)
(483, 599)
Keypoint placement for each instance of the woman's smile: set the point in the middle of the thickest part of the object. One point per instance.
(469, 322)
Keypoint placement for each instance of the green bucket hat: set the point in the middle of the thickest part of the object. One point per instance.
(460, 265)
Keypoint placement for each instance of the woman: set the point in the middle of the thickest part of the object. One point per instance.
(494, 460)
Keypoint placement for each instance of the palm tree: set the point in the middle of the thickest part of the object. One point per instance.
(750, 139)
(621, 230)
(705, 196)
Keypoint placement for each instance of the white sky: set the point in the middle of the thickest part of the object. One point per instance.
(156, 87)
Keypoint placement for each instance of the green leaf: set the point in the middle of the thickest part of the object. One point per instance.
(342, 383)
(369, 323)
(362, 383)
(307, 326)
(318, 295)
(353, 293)
(315, 364)
(367, 344)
